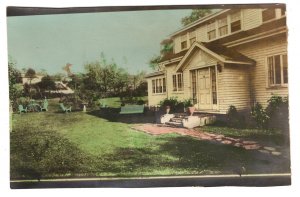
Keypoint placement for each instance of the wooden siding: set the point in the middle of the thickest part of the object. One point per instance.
(258, 51)
(251, 18)
(233, 88)
(201, 34)
(177, 44)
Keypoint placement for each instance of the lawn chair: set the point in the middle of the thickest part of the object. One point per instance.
(64, 109)
(44, 106)
(22, 109)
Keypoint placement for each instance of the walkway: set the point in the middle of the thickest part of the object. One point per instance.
(157, 129)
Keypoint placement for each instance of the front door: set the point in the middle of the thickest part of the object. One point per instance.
(204, 89)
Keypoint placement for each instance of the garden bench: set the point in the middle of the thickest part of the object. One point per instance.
(44, 106)
(22, 109)
(64, 109)
(132, 109)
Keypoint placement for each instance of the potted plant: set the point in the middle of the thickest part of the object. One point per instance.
(188, 104)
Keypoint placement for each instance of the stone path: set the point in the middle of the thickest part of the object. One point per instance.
(157, 129)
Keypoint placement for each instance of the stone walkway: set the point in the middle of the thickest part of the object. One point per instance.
(157, 129)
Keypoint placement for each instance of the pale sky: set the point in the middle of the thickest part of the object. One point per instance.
(131, 38)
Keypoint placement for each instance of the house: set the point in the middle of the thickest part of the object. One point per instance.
(231, 57)
(29, 80)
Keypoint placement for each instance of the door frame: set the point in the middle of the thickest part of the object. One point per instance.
(197, 104)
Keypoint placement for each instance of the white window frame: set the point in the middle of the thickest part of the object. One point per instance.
(209, 29)
(232, 21)
(177, 82)
(159, 82)
(222, 26)
(282, 84)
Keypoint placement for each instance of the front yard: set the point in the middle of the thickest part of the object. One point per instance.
(77, 144)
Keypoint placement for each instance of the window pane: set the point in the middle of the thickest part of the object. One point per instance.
(268, 14)
(211, 34)
(211, 26)
(285, 69)
(174, 83)
(164, 84)
(194, 87)
(184, 45)
(235, 17)
(180, 82)
(236, 26)
(223, 30)
(277, 69)
(153, 86)
(214, 85)
(271, 70)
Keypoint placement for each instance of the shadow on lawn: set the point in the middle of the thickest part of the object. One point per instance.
(113, 115)
(184, 155)
(43, 154)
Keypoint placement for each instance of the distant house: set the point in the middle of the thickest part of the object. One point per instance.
(28, 80)
(62, 88)
(231, 57)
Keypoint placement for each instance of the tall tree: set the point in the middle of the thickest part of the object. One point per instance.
(195, 15)
(14, 77)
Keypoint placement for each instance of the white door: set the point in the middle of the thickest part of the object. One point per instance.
(204, 89)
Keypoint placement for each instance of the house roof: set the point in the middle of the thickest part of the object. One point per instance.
(217, 51)
(155, 74)
(169, 56)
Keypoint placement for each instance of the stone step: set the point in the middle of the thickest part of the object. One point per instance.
(176, 120)
(174, 124)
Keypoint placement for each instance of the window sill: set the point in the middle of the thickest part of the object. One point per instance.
(275, 87)
(178, 92)
(157, 94)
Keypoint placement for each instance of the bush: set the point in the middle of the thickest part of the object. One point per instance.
(278, 112)
(171, 102)
(260, 116)
(234, 118)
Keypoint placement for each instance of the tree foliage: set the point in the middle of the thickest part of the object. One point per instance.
(153, 63)
(195, 15)
(47, 83)
(14, 76)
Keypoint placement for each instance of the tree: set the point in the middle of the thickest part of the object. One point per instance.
(14, 76)
(31, 74)
(153, 63)
(195, 15)
(47, 83)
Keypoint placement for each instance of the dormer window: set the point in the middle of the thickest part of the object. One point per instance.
(268, 14)
(223, 27)
(192, 36)
(211, 30)
(183, 42)
(235, 22)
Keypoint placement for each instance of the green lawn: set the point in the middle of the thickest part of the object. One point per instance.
(52, 144)
(115, 102)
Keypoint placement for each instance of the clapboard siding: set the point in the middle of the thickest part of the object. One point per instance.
(233, 88)
(177, 44)
(201, 34)
(259, 51)
(251, 18)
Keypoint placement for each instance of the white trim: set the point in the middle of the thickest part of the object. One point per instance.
(198, 22)
(256, 37)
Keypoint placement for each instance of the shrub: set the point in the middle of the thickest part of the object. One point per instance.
(172, 102)
(260, 116)
(234, 118)
(277, 110)
(188, 103)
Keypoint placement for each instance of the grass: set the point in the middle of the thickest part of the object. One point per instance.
(265, 137)
(77, 144)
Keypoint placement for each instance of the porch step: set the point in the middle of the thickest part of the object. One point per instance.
(176, 119)
(174, 124)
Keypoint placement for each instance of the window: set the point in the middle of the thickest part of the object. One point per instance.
(277, 70)
(211, 31)
(192, 37)
(268, 14)
(235, 22)
(183, 42)
(183, 45)
(177, 82)
(159, 85)
(223, 27)
(194, 86)
(214, 85)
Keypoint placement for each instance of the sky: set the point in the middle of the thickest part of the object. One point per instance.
(130, 38)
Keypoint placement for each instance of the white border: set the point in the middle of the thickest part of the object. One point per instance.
(293, 53)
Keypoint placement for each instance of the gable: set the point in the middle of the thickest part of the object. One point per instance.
(199, 59)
